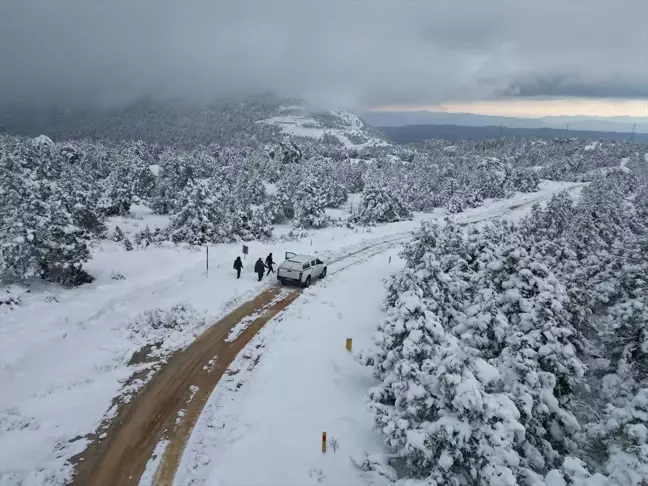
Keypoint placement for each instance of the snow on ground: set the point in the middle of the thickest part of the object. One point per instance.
(305, 383)
(271, 188)
(140, 217)
(519, 205)
(350, 207)
(300, 124)
(65, 354)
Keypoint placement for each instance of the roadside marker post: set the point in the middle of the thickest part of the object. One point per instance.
(389, 258)
(324, 442)
(349, 344)
(207, 261)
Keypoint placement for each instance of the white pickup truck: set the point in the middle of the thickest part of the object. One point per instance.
(300, 269)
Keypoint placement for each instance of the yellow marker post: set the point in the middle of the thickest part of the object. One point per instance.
(349, 344)
(324, 442)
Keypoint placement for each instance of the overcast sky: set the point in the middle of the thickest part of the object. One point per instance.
(351, 53)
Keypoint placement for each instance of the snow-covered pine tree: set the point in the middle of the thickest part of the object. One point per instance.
(438, 403)
(118, 235)
(352, 173)
(381, 205)
(80, 195)
(619, 441)
(261, 224)
(329, 178)
(118, 189)
(23, 220)
(309, 204)
(541, 360)
(64, 250)
(249, 187)
(146, 237)
(492, 179)
(176, 169)
(553, 222)
(164, 198)
(199, 219)
(525, 180)
(127, 244)
(38, 235)
(143, 179)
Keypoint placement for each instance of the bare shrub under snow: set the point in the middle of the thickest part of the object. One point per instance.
(10, 296)
(172, 326)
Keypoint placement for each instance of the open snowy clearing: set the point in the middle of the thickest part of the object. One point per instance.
(65, 354)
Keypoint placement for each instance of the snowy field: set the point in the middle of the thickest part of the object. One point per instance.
(65, 354)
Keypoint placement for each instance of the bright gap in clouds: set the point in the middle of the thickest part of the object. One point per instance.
(537, 108)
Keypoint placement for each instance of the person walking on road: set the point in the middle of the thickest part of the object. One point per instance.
(269, 263)
(238, 265)
(259, 268)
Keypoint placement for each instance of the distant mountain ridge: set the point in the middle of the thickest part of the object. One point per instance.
(249, 122)
(419, 133)
(600, 124)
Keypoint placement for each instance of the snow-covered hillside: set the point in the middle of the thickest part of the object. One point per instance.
(342, 125)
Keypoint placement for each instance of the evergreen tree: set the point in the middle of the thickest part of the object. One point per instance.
(118, 235)
(118, 189)
(64, 250)
(438, 403)
(199, 219)
(381, 205)
(128, 246)
(309, 205)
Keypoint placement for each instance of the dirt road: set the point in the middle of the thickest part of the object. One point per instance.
(170, 404)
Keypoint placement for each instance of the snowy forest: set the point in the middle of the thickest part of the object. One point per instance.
(516, 354)
(510, 353)
(56, 196)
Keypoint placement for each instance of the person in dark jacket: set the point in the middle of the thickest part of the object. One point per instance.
(269, 263)
(238, 265)
(259, 268)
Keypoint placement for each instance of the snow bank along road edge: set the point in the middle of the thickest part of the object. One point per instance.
(169, 406)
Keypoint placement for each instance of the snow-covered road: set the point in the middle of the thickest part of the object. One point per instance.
(305, 383)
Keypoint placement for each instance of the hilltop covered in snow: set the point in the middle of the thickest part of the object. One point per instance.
(335, 126)
(250, 122)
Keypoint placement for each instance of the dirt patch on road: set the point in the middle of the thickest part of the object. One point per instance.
(168, 407)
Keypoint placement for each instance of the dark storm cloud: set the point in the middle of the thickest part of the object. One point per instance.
(564, 88)
(347, 52)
